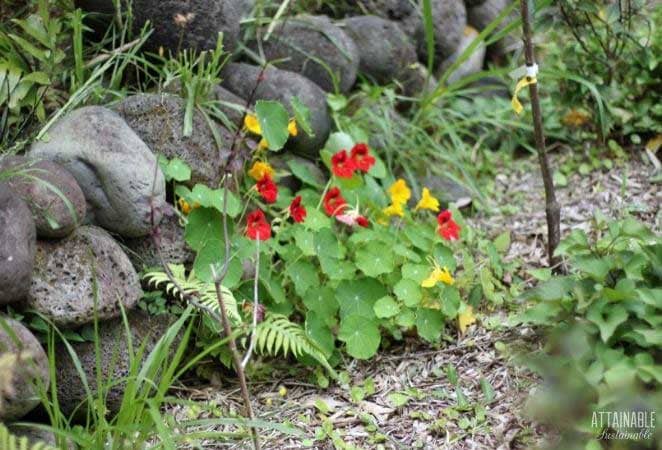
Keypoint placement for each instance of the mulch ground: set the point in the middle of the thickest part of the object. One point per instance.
(437, 414)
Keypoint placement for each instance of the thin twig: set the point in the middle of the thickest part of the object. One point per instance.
(256, 307)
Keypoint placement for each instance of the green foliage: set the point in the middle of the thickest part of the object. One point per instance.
(31, 61)
(603, 321)
(184, 285)
(273, 118)
(196, 74)
(612, 59)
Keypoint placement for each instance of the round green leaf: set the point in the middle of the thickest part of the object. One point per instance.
(386, 307)
(408, 291)
(360, 335)
(429, 323)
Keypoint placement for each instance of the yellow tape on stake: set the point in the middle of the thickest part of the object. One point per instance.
(521, 84)
(527, 75)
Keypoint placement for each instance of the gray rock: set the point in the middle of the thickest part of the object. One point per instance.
(117, 172)
(282, 85)
(17, 246)
(231, 105)
(480, 16)
(473, 64)
(68, 272)
(448, 191)
(281, 163)
(173, 247)
(180, 24)
(417, 80)
(54, 217)
(34, 435)
(450, 18)
(317, 49)
(388, 9)
(384, 49)
(114, 357)
(30, 369)
(159, 121)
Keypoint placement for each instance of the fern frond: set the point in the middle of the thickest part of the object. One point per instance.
(9, 441)
(278, 334)
(191, 285)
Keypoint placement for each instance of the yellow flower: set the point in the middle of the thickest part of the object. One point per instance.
(282, 391)
(428, 201)
(292, 127)
(252, 124)
(438, 274)
(394, 209)
(399, 191)
(259, 170)
(185, 207)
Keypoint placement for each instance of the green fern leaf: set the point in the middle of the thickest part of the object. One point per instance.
(278, 335)
(192, 286)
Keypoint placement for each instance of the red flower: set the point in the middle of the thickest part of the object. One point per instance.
(334, 202)
(361, 157)
(448, 229)
(342, 165)
(257, 226)
(362, 221)
(297, 210)
(267, 188)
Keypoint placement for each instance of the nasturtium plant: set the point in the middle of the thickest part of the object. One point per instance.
(353, 258)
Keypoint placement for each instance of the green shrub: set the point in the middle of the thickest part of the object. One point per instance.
(604, 320)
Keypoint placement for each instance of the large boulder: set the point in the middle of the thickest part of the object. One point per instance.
(384, 49)
(481, 15)
(173, 248)
(114, 360)
(52, 193)
(159, 121)
(283, 85)
(471, 65)
(316, 48)
(17, 246)
(25, 360)
(117, 172)
(74, 274)
(179, 24)
(449, 21)
(232, 106)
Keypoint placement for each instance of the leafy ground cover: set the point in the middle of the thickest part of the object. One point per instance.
(392, 290)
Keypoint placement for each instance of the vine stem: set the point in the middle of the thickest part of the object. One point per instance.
(256, 306)
(552, 208)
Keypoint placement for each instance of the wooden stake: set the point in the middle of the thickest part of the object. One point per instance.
(552, 208)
